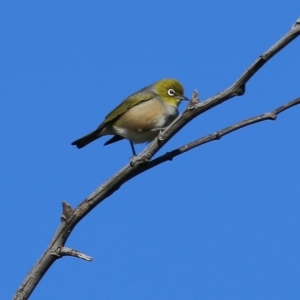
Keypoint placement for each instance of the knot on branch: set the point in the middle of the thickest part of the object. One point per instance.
(68, 211)
(240, 91)
(194, 101)
(296, 24)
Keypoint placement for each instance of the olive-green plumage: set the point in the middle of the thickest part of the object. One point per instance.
(140, 116)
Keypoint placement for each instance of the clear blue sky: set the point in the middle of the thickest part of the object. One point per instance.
(221, 222)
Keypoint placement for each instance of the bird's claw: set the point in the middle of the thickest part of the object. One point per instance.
(139, 159)
(159, 136)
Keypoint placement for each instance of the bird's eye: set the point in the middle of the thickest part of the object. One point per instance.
(171, 92)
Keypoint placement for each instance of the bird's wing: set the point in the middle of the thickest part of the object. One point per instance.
(128, 103)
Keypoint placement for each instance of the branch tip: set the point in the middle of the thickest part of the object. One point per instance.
(65, 251)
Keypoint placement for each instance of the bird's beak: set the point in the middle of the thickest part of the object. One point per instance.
(181, 97)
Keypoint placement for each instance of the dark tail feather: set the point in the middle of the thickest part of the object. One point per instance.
(82, 142)
(114, 139)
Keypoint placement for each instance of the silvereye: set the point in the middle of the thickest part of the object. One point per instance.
(141, 116)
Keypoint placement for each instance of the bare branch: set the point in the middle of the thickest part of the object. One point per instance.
(236, 89)
(219, 134)
(71, 217)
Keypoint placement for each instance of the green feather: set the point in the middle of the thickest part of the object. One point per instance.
(128, 103)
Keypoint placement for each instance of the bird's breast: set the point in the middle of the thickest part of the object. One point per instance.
(137, 123)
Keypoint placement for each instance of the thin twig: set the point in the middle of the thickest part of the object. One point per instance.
(65, 251)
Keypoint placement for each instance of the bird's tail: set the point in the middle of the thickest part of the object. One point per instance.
(82, 142)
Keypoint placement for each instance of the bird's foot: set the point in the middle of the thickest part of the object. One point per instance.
(139, 159)
(159, 136)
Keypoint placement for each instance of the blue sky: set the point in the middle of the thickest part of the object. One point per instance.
(220, 222)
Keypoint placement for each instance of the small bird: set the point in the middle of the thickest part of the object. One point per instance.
(141, 116)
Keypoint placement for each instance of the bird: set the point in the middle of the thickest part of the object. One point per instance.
(141, 116)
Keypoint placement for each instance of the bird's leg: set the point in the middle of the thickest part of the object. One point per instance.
(132, 148)
(144, 159)
(137, 158)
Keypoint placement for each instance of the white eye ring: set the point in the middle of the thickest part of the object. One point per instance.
(171, 92)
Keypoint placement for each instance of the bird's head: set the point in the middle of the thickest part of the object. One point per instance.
(170, 90)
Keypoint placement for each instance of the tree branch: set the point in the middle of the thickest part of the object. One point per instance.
(237, 89)
(71, 217)
(218, 135)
